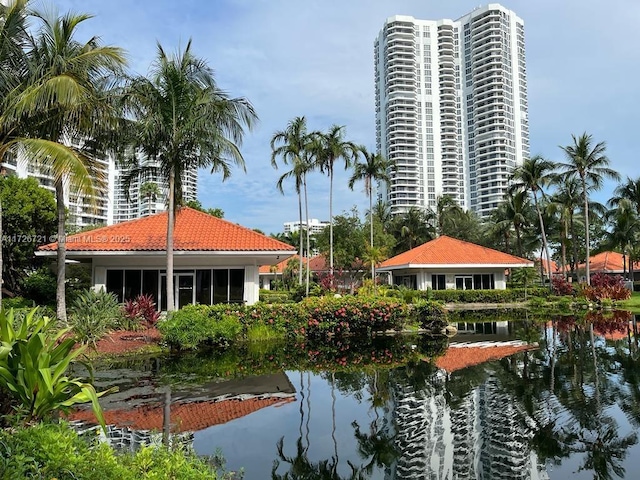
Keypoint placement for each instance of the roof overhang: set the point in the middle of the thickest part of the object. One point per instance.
(162, 253)
(450, 266)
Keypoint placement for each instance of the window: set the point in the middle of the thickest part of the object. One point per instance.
(438, 282)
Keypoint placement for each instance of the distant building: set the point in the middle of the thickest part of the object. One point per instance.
(451, 108)
(315, 226)
(83, 211)
(130, 202)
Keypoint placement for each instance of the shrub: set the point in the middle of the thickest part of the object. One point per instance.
(92, 314)
(201, 325)
(485, 296)
(34, 359)
(269, 296)
(56, 451)
(141, 311)
(16, 302)
(561, 286)
(606, 287)
(430, 314)
(40, 286)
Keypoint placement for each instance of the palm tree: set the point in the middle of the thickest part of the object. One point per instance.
(150, 191)
(60, 110)
(330, 147)
(630, 190)
(375, 167)
(565, 201)
(183, 120)
(292, 144)
(624, 233)
(590, 164)
(513, 212)
(447, 212)
(411, 229)
(532, 176)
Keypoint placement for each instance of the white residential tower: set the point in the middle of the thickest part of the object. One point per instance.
(451, 107)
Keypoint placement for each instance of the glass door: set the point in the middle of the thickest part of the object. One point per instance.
(184, 289)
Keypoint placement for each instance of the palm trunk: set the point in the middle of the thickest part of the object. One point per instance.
(586, 228)
(306, 208)
(300, 240)
(544, 236)
(331, 224)
(575, 250)
(1, 275)
(373, 262)
(170, 226)
(61, 306)
(563, 246)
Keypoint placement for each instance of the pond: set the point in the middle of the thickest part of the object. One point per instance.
(525, 399)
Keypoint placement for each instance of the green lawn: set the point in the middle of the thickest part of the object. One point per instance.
(632, 304)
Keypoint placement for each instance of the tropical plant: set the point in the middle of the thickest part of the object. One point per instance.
(564, 202)
(374, 168)
(183, 120)
(34, 359)
(328, 148)
(589, 163)
(294, 146)
(630, 191)
(92, 313)
(60, 111)
(412, 228)
(140, 310)
(150, 191)
(533, 176)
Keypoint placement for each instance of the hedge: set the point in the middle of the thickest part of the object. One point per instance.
(485, 296)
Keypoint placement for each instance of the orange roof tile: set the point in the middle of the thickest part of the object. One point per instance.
(185, 417)
(451, 251)
(468, 355)
(611, 262)
(555, 268)
(194, 231)
(279, 267)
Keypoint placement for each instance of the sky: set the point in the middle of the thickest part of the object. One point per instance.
(314, 58)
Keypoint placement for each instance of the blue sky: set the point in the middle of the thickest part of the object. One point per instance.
(315, 58)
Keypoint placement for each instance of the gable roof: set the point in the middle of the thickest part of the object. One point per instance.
(451, 251)
(194, 231)
(608, 262)
(463, 355)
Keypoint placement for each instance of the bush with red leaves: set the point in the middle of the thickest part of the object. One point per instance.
(606, 287)
(143, 308)
(561, 286)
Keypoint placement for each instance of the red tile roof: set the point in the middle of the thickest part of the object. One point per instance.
(279, 267)
(555, 268)
(608, 262)
(451, 251)
(466, 355)
(185, 417)
(194, 231)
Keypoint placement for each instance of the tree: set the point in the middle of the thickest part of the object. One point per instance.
(533, 176)
(150, 191)
(374, 168)
(411, 229)
(589, 163)
(29, 220)
(293, 144)
(624, 233)
(630, 191)
(330, 147)
(564, 201)
(213, 211)
(183, 120)
(59, 111)
(514, 212)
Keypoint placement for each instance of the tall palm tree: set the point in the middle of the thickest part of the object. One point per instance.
(565, 201)
(183, 120)
(533, 176)
(292, 145)
(630, 190)
(447, 212)
(589, 163)
(625, 231)
(61, 107)
(374, 168)
(330, 147)
(150, 191)
(514, 212)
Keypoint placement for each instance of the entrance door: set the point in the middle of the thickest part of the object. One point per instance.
(184, 289)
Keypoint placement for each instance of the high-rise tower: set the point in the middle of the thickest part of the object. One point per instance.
(451, 107)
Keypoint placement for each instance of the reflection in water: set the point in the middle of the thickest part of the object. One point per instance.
(380, 411)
